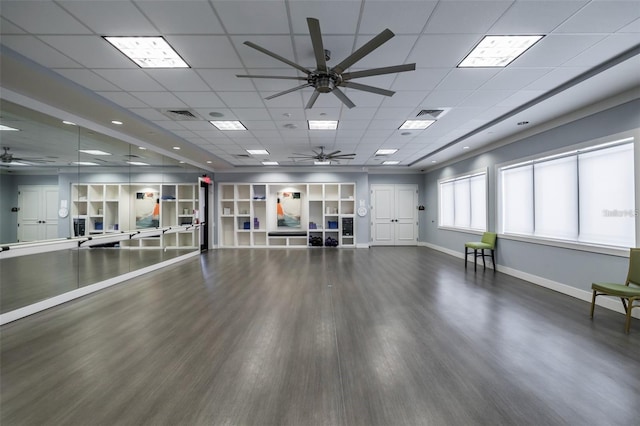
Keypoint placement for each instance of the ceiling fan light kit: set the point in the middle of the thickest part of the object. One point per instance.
(330, 80)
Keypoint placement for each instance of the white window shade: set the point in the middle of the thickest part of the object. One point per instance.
(556, 198)
(478, 188)
(607, 196)
(462, 202)
(446, 204)
(517, 200)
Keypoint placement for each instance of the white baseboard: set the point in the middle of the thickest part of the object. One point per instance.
(605, 302)
(83, 291)
(362, 245)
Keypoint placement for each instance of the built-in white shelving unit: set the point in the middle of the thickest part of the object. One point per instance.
(248, 215)
(104, 208)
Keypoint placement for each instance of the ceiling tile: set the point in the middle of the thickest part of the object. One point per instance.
(406, 99)
(555, 50)
(555, 78)
(439, 50)
(420, 79)
(393, 52)
(465, 16)
(87, 79)
(514, 78)
(604, 50)
(401, 17)
(535, 17)
(204, 99)
(251, 114)
(341, 19)
(182, 80)
(466, 78)
(160, 99)
(148, 113)
(602, 17)
(486, 98)
(240, 99)
(340, 47)
(129, 80)
(90, 51)
(196, 17)
(225, 79)
(253, 17)
(114, 18)
(205, 51)
(38, 51)
(252, 58)
(7, 27)
(41, 17)
(123, 99)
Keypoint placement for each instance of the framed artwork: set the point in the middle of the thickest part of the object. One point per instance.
(147, 209)
(288, 209)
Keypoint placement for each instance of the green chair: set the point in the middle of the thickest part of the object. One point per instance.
(488, 242)
(629, 292)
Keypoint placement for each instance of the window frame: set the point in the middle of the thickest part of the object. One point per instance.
(467, 175)
(632, 136)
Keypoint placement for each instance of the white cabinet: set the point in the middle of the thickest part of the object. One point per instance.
(104, 208)
(248, 215)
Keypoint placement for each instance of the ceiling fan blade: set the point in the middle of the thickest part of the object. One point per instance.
(316, 41)
(302, 86)
(312, 99)
(344, 156)
(333, 153)
(340, 95)
(363, 51)
(358, 86)
(278, 57)
(378, 71)
(281, 77)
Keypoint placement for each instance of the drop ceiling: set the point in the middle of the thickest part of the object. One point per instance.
(53, 54)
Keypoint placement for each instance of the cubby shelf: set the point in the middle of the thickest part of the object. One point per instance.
(248, 214)
(103, 208)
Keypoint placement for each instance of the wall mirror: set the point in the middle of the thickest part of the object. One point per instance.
(108, 206)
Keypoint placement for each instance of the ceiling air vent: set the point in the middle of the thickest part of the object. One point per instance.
(181, 114)
(432, 114)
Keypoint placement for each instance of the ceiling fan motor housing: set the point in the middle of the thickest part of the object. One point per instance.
(324, 82)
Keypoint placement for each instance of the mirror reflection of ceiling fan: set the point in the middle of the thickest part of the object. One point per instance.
(324, 79)
(321, 156)
(7, 158)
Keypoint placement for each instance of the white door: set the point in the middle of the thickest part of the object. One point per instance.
(38, 212)
(394, 215)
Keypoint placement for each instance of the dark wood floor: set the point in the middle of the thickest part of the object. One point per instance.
(385, 336)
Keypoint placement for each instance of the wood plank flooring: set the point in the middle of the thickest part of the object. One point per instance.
(384, 336)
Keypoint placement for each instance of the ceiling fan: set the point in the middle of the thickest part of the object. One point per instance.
(7, 158)
(324, 79)
(334, 156)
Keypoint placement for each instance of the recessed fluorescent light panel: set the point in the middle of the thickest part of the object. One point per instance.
(386, 151)
(258, 151)
(498, 51)
(93, 152)
(69, 123)
(390, 162)
(416, 124)
(269, 163)
(323, 124)
(228, 125)
(148, 52)
(7, 128)
(137, 163)
(84, 163)
(322, 163)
